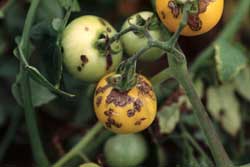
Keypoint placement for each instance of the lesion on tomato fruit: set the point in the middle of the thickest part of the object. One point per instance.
(194, 21)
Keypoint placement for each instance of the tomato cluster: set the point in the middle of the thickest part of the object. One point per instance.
(90, 56)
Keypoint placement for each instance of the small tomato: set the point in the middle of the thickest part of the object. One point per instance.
(132, 42)
(209, 14)
(125, 150)
(82, 56)
(125, 112)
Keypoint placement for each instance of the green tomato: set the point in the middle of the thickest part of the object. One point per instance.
(125, 150)
(132, 43)
(83, 56)
(89, 165)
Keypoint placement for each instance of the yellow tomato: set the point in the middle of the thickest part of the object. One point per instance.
(210, 12)
(125, 112)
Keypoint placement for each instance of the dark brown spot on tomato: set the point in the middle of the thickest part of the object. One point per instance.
(175, 9)
(137, 105)
(118, 98)
(102, 89)
(79, 68)
(109, 113)
(111, 121)
(138, 122)
(109, 29)
(84, 59)
(98, 101)
(194, 22)
(109, 61)
(163, 15)
(130, 113)
(143, 86)
(86, 28)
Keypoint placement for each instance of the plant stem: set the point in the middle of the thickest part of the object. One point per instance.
(188, 136)
(227, 33)
(88, 137)
(36, 144)
(10, 134)
(161, 76)
(181, 74)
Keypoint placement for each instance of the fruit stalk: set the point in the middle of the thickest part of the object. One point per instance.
(36, 144)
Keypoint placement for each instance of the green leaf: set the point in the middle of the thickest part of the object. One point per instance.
(40, 94)
(1, 14)
(242, 83)
(16, 90)
(229, 60)
(44, 36)
(48, 10)
(38, 77)
(66, 4)
(168, 117)
(224, 107)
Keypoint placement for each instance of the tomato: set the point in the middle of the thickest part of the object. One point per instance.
(132, 43)
(82, 56)
(125, 112)
(125, 150)
(210, 12)
(89, 165)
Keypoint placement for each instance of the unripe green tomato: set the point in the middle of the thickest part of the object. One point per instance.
(132, 43)
(89, 165)
(125, 150)
(82, 55)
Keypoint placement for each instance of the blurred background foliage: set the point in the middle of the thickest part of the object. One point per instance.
(62, 121)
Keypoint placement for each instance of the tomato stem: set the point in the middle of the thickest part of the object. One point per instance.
(25, 90)
(88, 137)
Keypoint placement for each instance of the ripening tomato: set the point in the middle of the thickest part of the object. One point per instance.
(209, 14)
(125, 112)
(132, 42)
(83, 57)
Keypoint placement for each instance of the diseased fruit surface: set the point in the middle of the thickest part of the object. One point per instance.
(82, 56)
(209, 14)
(125, 150)
(125, 112)
(132, 43)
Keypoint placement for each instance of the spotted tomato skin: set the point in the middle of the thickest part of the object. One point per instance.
(83, 59)
(210, 12)
(125, 112)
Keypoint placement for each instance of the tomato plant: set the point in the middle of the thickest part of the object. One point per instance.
(75, 92)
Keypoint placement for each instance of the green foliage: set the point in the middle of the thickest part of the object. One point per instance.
(66, 4)
(224, 107)
(229, 60)
(168, 117)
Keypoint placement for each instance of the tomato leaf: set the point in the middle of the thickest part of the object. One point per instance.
(40, 94)
(66, 4)
(242, 83)
(168, 117)
(229, 60)
(224, 107)
(38, 77)
(44, 36)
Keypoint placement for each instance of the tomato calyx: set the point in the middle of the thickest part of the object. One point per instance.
(125, 77)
